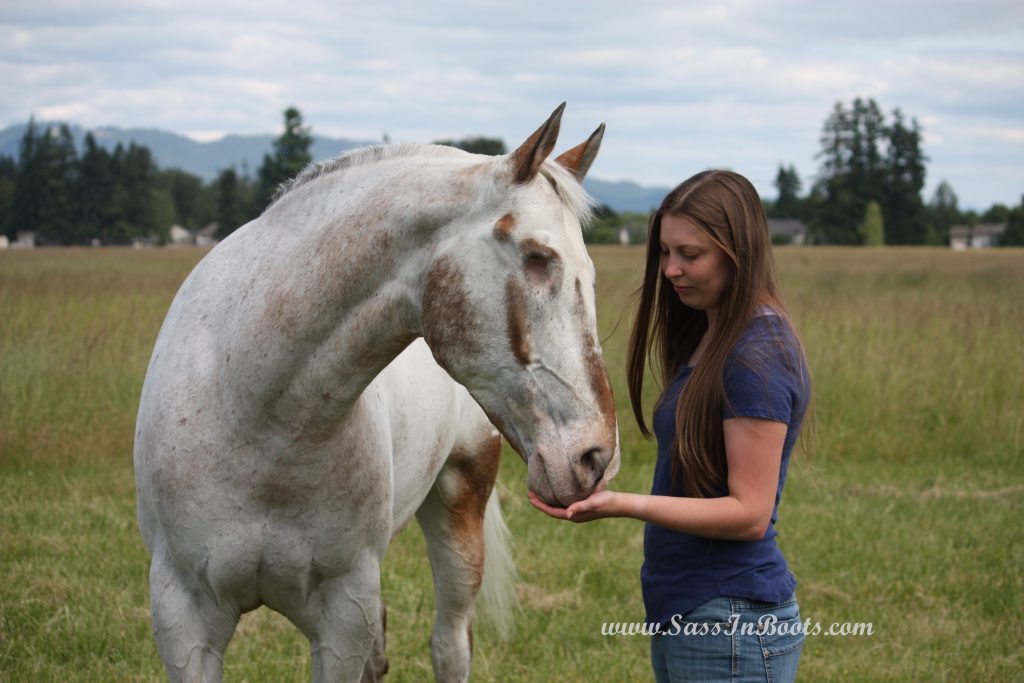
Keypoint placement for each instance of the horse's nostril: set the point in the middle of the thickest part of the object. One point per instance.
(591, 467)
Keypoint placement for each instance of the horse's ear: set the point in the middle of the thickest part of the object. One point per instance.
(579, 158)
(526, 161)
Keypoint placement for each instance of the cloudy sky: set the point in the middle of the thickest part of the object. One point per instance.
(681, 85)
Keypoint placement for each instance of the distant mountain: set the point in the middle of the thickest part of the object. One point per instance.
(245, 154)
(170, 150)
(625, 195)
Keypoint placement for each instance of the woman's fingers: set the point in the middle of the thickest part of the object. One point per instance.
(557, 513)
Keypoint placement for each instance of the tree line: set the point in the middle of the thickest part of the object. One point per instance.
(868, 189)
(870, 182)
(67, 196)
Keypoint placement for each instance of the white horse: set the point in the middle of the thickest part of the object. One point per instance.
(291, 423)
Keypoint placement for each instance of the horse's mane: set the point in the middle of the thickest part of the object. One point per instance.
(360, 157)
(568, 189)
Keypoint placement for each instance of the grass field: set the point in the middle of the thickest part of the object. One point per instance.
(906, 513)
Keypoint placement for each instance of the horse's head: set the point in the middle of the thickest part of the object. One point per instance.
(508, 310)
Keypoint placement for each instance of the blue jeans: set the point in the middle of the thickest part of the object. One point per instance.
(730, 639)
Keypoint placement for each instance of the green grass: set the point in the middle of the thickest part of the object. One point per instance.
(906, 512)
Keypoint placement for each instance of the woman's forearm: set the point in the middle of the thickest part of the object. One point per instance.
(727, 517)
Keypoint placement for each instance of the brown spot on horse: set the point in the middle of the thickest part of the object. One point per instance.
(518, 328)
(596, 372)
(475, 474)
(448, 324)
(504, 227)
(531, 246)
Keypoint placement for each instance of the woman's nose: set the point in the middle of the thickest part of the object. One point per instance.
(673, 268)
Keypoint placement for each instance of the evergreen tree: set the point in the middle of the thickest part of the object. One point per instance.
(905, 217)
(872, 228)
(185, 191)
(865, 160)
(291, 155)
(62, 224)
(8, 184)
(138, 181)
(477, 145)
(1014, 234)
(852, 171)
(119, 231)
(44, 195)
(232, 202)
(26, 214)
(163, 212)
(943, 213)
(997, 213)
(94, 191)
(867, 172)
(787, 182)
(67, 199)
(832, 222)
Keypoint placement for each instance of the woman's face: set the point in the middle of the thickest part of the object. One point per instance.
(695, 265)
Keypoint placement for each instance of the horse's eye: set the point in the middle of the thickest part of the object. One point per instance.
(541, 263)
(537, 268)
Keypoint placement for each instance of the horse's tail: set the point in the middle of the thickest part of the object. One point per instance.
(497, 602)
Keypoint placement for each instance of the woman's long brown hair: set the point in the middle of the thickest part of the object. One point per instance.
(728, 208)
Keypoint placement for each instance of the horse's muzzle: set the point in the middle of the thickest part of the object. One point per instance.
(560, 482)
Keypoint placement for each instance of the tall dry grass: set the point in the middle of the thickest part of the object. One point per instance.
(905, 513)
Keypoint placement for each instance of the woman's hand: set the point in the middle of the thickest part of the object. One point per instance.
(600, 504)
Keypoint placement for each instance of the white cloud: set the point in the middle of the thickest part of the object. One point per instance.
(681, 85)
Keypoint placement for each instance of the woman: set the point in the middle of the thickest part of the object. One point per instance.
(711, 317)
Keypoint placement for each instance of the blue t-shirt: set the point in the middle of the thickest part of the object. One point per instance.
(764, 377)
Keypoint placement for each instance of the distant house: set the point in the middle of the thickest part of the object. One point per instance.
(207, 237)
(24, 240)
(633, 232)
(4, 242)
(181, 236)
(987, 235)
(979, 236)
(960, 237)
(787, 230)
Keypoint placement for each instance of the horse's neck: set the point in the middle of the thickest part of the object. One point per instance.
(340, 301)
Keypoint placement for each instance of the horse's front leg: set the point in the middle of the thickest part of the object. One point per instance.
(342, 619)
(192, 628)
(377, 663)
(452, 519)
